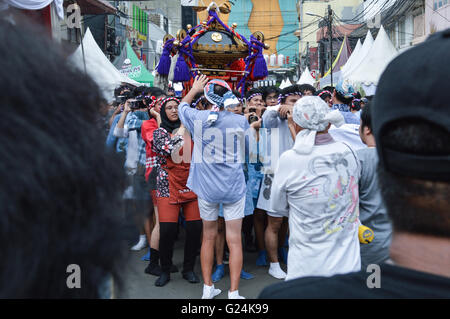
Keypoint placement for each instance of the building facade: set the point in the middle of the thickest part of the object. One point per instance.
(437, 15)
(313, 35)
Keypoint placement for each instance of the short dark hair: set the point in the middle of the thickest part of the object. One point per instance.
(343, 99)
(415, 205)
(366, 117)
(269, 90)
(355, 105)
(307, 87)
(60, 187)
(220, 90)
(290, 90)
(157, 92)
(325, 95)
(121, 88)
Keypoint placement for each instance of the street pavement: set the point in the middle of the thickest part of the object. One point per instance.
(139, 285)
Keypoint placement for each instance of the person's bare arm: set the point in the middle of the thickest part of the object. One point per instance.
(156, 115)
(291, 125)
(125, 112)
(111, 119)
(198, 86)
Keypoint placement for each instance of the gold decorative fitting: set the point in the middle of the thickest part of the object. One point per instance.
(225, 8)
(189, 27)
(216, 37)
(181, 34)
(176, 43)
(266, 46)
(234, 25)
(199, 8)
(259, 36)
(167, 37)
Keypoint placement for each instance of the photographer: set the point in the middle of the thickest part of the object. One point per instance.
(129, 126)
(112, 141)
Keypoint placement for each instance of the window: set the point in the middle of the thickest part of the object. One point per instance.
(402, 32)
(439, 3)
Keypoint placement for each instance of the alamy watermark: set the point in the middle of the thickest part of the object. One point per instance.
(374, 279)
(74, 279)
(73, 19)
(231, 146)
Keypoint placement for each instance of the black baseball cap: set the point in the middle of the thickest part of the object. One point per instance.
(415, 85)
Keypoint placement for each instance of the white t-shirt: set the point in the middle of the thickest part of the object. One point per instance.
(319, 192)
(349, 134)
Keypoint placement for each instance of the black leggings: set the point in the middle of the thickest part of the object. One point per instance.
(168, 234)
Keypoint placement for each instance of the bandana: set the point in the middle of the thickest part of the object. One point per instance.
(228, 100)
(167, 124)
(283, 96)
(313, 115)
(325, 92)
(194, 105)
(252, 96)
(156, 101)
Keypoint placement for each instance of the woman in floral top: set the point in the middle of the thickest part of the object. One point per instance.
(173, 193)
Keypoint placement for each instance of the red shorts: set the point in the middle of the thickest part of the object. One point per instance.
(168, 213)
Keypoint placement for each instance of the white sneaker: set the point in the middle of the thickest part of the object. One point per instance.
(234, 295)
(209, 292)
(276, 271)
(141, 244)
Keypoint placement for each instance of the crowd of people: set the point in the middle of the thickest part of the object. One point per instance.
(327, 182)
(293, 191)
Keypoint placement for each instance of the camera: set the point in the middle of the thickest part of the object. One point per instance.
(123, 97)
(137, 103)
(253, 118)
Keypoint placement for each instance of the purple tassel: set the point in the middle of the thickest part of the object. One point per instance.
(260, 69)
(164, 63)
(182, 72)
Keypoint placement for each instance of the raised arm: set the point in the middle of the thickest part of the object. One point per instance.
(198, 86)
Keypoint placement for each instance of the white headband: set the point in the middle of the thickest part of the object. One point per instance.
(313, 115)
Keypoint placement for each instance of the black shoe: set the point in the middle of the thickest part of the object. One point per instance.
(153, 269)
(162, 280)
(173, 269)
(191, 277)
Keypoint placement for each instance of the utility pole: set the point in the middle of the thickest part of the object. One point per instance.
(330, 30)
(307, 56)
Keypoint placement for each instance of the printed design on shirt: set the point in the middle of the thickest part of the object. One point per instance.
(267, 185)
(163, 145)
(340, 192)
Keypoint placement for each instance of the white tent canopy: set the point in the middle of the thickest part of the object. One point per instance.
(98, 67)
(283, 84)
(364, 52)
(353, 57)
(381, 54)
(306, 78)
